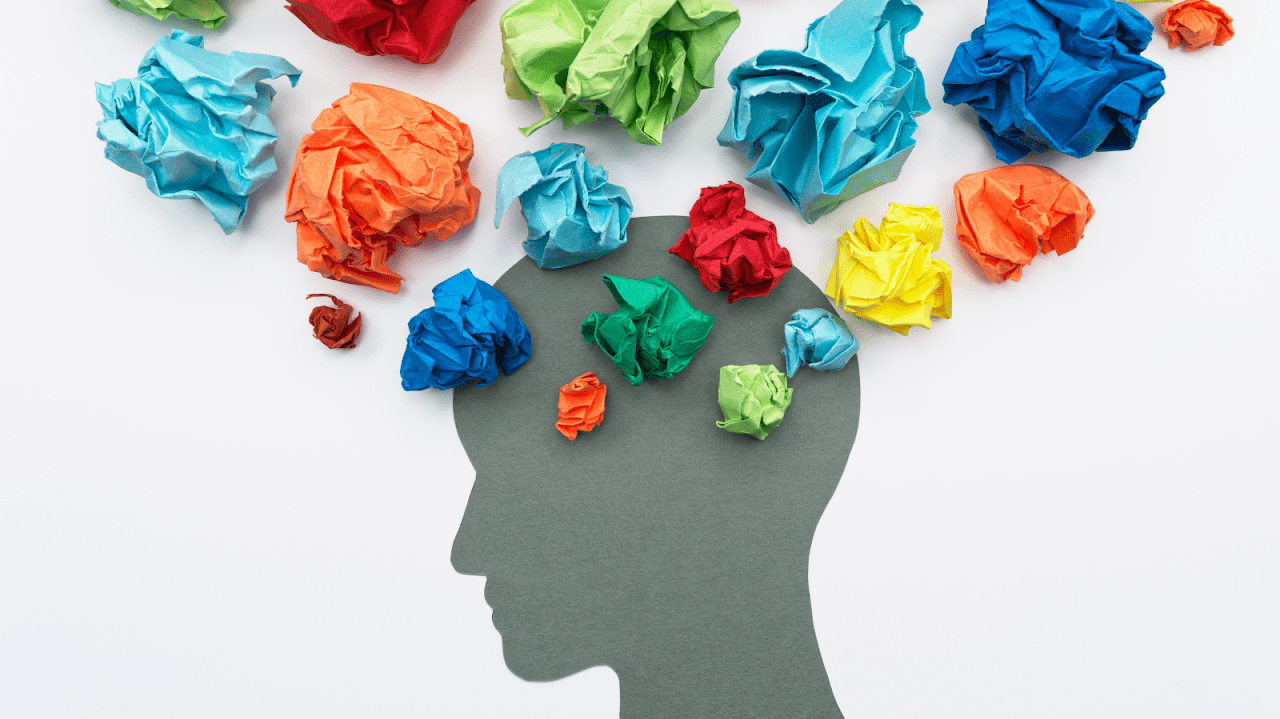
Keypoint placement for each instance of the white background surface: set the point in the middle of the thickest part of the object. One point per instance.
(1062, 502)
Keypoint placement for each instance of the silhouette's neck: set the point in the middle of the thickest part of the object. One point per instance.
(733, 666)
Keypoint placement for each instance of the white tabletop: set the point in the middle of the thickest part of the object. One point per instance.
(1061, 503)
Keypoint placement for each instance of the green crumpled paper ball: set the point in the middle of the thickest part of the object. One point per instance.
(754, 398)
(642, 62)
(654, 332)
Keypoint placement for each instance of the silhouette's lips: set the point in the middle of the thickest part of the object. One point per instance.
(488, 599)
(507, 608)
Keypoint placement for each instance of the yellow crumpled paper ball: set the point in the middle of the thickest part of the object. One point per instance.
(889, 275)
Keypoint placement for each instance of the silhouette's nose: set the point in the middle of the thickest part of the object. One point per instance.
(468, 544)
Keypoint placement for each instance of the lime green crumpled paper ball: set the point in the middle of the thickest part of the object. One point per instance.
(205, 12)
(753, 398)
(642, 62)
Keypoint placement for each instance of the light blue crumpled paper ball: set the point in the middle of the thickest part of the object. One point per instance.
(574, 214)
(836, 120)
(819, 339)
(194, 123)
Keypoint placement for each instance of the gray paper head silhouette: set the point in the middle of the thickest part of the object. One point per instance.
(657, 544)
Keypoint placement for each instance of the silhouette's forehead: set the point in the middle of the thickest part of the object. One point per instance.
(663, 425)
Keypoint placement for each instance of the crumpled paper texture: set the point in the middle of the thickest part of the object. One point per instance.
(574, 213)
(470, 333)
(653, 333)
(194, 123)
(1008, 214)
(1052, 74)
(205, 12)
(733, 249)
(754, 398)
(416, 30)
(381, 169)
(889, 275)
(641, 62)
(819, 339)
(1197, 23)
(836, 120)
(581, 405)
(333, 325)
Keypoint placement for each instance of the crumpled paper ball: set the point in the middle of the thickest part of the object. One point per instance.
(819, 339)
(653, 333)
(1052, 74)
(1197, 23)
(581, 405)
(753, 398)
(194, 123)
(574, 214)
(836, 120)
(470, 333)
(1007, 214)
(380, 169)
(416, 30)
(333, 325)
(889, 275)
(641, 62)
(732, 248)
(205, 12)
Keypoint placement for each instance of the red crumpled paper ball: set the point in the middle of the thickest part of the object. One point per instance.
(732, 248)
(1197, 23)
(333, 325)
(1005, 215)
(416, 30)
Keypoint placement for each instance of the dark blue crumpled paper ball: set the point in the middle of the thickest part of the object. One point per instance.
(1057, 74)
(471, 333)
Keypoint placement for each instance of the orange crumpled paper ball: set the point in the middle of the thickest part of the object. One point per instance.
(333, 325)
(380, 169)
(1197, 23)
(1007, 214)
(581, 405)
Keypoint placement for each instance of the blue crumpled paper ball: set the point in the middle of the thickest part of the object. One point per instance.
(1057, 74)
(574, 214)
(470, 333)
(819, 339)
(836, 120)
(194, 123)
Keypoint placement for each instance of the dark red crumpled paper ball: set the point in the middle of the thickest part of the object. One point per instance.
(732, 248)
(417, 30)
(333, 325)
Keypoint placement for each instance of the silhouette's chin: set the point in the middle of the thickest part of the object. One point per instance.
(540, 642)
(534, 660)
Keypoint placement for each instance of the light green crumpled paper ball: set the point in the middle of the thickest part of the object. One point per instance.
(642, 62)
(753, 398)
(205, 12)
